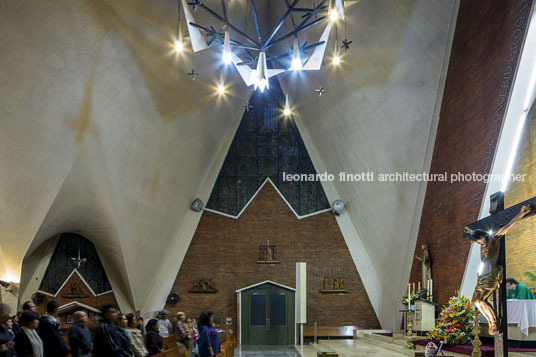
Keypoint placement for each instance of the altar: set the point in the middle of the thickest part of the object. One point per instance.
(521, 320)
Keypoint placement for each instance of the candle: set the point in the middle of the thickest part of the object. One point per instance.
(431, 290)
(428, 289)
(413, 288)
(419, 288)
(409, 294)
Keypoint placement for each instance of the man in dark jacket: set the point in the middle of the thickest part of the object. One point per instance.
(79, 336)
(50, 333)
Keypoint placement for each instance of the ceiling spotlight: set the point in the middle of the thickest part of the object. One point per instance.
(221, 89)
(227, 56)
(260, 75)
(336, 60)
(286, 110)
(333, 15)
(296, 64)
(178, 46)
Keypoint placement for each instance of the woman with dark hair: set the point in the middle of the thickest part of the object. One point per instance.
(136, 337)
(209, 339)
(27, 341)
(153, 340)
(108, 341)
(122, 324)
(6, 323)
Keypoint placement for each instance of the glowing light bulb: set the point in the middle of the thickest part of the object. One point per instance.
(336, 60)
(227, 58)
(221, 89)
(178, 46)
(333, 15)
(296, 64)
(286, 110)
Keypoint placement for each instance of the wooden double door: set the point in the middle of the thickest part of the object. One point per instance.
(268, 316)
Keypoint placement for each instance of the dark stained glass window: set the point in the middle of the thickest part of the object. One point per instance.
(62, 265)
(266, 144)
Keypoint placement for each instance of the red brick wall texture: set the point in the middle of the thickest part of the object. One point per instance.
(484, 56)
(226, 250)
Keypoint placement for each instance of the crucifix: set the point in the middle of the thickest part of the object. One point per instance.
(79, 261)
(489, 232)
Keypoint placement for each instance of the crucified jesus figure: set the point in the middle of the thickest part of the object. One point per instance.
(490, 276)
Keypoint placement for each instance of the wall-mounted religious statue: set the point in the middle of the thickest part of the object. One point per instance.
(203, 286)
(491, 274)
(267, 254)
(338, 286)
(426, 262)
(326, 283)
(75, 291)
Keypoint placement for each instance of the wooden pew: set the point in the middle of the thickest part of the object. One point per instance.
(341, 332)
(174, 352)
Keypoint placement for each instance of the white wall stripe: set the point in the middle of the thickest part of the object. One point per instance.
(255, 195)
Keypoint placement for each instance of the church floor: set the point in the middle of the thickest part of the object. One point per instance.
(345, 348)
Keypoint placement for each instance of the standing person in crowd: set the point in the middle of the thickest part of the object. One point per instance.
(195, 337)
(6, 328)
(140, 324)
(16, 327)
(27, 341)
(136, 337)
(165, 329)
(122, 324)
(108, 341)
(29, 305)
(182, 332)
(79, 336)
(153, 340)
(50, 333)
(209, 339)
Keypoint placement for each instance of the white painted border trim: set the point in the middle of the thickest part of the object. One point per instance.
(67, 279)
(255, 195)
(76, 303)
(264, 282)
(239, 295)
(104, 293)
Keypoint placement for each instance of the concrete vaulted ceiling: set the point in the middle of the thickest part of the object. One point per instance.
(102, 132)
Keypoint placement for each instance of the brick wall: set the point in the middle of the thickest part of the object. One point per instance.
(226, 250)
(483, 60)
(521, 240)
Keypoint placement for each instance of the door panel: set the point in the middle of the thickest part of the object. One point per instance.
(268, 323)
(278, 324)
(257, 324)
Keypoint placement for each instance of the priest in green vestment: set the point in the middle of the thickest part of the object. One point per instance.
(517, 291)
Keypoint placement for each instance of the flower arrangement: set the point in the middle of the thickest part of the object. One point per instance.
(455, 323)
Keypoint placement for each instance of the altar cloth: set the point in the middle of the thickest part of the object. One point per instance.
(521, 313)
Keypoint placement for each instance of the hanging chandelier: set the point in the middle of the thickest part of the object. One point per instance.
(255, 59)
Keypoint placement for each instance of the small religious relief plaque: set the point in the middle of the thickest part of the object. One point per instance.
(203, 286)
(75, 291)
(267, 254)
(338, 286)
